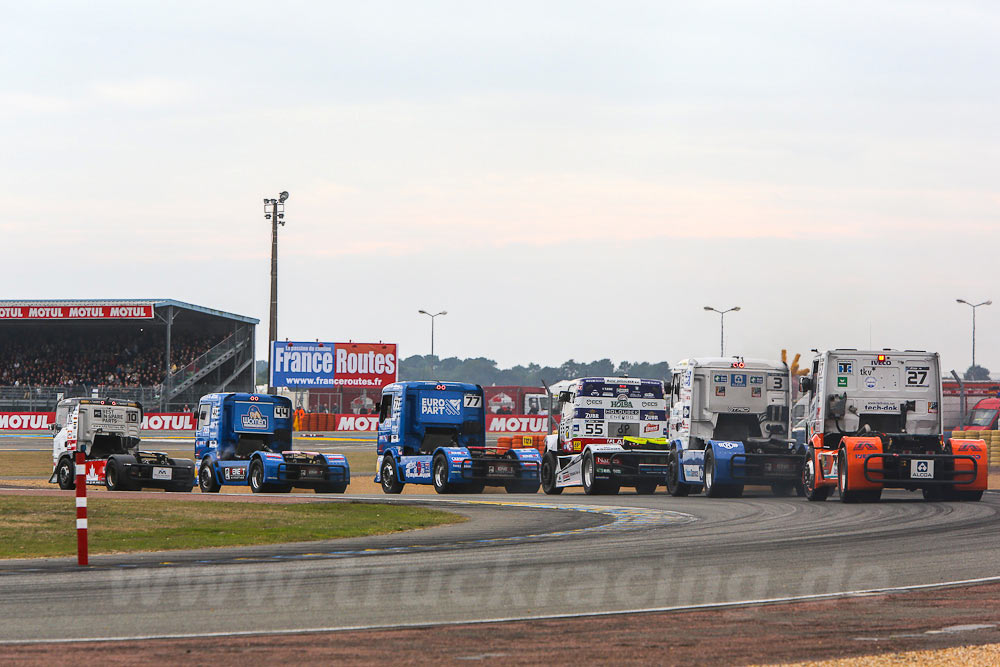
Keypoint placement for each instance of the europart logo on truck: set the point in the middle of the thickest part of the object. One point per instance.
(441, 406)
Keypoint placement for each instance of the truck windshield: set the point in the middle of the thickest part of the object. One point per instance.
(980, 417)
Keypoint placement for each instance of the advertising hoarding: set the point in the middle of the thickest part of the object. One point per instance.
(304, 365)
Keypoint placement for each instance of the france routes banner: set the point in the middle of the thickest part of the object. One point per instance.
(304, 365)
(39, 421)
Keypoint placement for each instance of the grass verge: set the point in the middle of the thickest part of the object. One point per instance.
(32, 527)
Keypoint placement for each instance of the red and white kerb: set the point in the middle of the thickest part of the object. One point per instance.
(81, 508)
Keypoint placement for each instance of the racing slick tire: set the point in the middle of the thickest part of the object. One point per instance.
(521, 485)
(473, 487)
(843, 485)
(968, 496)
(390, 480)
(439, 474)
(255, 477)
(114, 476)
(550, 464)
(339, 487)
(593, 486)
(809, 489)
(675, 486)
(646, 488)
(713, 490)
(182, 487)
(206, 478)
(65, 474)
(783, 489)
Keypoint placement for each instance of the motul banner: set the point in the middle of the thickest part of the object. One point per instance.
(517, 424)
(105, 312)
(325, 365)
(39, 421)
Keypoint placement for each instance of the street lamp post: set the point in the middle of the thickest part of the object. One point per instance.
(274, 210)
(974, 306)
(432, 316)
(722, 326)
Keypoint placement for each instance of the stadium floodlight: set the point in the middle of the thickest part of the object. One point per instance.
(271, 213)
(722, 326)
(988, 302)
(432, 316)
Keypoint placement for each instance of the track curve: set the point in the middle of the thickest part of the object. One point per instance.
(528, 556)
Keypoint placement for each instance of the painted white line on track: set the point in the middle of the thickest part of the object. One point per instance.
(514, 619)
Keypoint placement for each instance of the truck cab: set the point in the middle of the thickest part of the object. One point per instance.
(729, 427)
(246, 439)
(611, 434)
(435, 433)
(875, 422)
(982, 416)
(106, 430)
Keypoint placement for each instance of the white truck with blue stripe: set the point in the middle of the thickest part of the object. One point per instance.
(729, 427)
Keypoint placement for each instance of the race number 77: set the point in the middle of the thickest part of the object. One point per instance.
(473, 401)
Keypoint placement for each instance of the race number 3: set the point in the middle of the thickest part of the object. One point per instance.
(473, 401)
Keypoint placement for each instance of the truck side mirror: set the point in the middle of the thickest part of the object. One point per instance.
(565, 397)
(805, 384)
(55, 428)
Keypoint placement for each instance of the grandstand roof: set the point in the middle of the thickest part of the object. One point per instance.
(155, 303)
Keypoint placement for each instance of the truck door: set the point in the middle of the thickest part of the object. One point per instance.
(386, 421)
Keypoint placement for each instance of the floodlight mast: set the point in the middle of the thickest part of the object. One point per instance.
(274, 215)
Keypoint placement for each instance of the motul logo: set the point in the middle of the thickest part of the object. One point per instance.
(167, 422)
(25, 421)
(510, 424)
(356, 423)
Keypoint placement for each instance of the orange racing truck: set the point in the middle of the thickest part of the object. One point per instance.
(874, 422)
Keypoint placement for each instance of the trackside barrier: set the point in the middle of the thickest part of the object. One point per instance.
(81, 508)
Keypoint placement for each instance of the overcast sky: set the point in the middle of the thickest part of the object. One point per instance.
(567, 179)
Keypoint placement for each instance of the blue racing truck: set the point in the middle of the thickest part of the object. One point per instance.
(246, 439)
(435, 433)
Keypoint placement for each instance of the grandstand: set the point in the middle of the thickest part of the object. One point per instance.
(161, 352)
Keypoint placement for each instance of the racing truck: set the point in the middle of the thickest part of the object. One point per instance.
(246, 439)
(729, 427)
(610, 435)
(107, 431)
(874, 422)
(435, 433)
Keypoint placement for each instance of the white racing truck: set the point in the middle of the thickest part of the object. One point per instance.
(729, 427)
(875, 422)
(107, 431)
(610, 435)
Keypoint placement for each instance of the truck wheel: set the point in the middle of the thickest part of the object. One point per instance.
(783, 489)
(114, 476)
(256, 475)
(712, 490)
(390, 480)
(591, 485)
(206, 479)
(932, 494)
(521, 485)
(645, 488)
(550, 464)
(809, 488)
(440, 470)
(843, 482)
(472, 487)
(65, 474)
(675, 486)
(969, 496)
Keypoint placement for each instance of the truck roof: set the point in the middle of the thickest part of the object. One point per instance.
(619, 380)
(72, 402)
(429, 384)
(890, 351)
(727, 362)
(242, 396)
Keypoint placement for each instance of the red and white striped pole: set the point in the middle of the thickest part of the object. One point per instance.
(81, 508)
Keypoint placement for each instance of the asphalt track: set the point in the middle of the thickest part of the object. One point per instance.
(518, 557)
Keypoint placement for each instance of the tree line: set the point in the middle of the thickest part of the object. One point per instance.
(480, 370)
